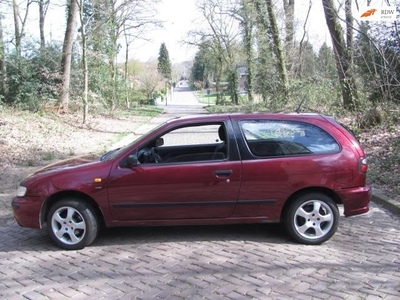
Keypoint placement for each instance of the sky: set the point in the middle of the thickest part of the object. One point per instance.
(179, 16)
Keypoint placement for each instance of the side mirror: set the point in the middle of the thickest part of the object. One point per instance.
(159, 142)
(132, 161)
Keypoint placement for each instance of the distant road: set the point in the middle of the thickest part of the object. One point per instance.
(183, 101)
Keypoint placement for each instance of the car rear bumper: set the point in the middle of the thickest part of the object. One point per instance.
(355, 200)
(27, 211)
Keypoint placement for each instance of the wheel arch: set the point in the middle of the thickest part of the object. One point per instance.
(70, 194)
(308, 190)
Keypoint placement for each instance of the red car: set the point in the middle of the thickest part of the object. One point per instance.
(210, 169)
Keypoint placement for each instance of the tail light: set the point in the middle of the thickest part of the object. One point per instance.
(363, 165)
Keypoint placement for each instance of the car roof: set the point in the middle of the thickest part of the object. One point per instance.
(253, 115)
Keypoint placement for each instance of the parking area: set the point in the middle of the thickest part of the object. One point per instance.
(362, 261)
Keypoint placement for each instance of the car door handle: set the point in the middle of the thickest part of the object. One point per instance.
(223, 173)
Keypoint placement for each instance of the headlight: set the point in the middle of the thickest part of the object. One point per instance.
(21, 191)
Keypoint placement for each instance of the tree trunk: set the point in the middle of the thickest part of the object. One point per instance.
(17, 31)
(264, 49)
(248, 40)
(349, 30)
(3, 73)
(126, 76)
(43, 4)
(85, 65)
(67, 55)
(218, 81)
(19, 24)
(279, 51)
(342, 55)
(288, 6)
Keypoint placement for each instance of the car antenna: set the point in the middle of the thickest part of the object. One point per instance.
(301, 103)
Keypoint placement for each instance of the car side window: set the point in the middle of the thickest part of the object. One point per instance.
(203, 142)
(266, 138)
(192, 135)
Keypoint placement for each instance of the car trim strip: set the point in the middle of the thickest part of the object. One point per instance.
(208, 203)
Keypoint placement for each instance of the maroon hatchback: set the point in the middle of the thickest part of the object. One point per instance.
(210, 169)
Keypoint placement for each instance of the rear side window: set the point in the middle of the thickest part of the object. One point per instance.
(267, 138)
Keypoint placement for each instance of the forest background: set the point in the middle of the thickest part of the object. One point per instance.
(250, 55)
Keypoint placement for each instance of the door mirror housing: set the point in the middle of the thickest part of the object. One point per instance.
(159, 142)
(132, 161)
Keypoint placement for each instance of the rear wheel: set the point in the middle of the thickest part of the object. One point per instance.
(72, 224)
(312, 218)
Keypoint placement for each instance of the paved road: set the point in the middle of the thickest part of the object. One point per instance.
(362, 261)
(182, 102)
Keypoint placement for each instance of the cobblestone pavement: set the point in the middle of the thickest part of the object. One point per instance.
(362, 261)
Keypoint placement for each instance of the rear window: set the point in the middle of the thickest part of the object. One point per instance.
(267, 138)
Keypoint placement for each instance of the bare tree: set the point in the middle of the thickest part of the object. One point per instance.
(67, 54)
(288, 6)
(343, 52)
(117, 18)
(150, 80)
(19, 24)
(349, 29)
(223, 31)
(278, 48)
(3, 73)
(84, 62)
(17, 30)
(264, 49)
(137, 21)
(43, 6)
(302, 40)
(248, 24)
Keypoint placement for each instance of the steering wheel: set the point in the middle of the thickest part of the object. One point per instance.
(154, 154)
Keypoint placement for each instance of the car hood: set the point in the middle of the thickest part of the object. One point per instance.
(68, 164)
(83, 173)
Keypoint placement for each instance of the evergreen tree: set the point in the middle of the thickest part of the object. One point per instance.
(326, 63)
(164, 63)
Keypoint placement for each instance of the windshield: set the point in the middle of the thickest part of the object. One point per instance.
(116, 152)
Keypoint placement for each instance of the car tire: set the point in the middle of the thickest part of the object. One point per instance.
(72, 224)
(312, 218)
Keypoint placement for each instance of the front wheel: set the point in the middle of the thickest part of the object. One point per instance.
(72, 224)
(312, 219)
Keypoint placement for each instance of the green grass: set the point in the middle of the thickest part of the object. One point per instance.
(48, 156)
(148, 110)
(142, 110)
(207, 99)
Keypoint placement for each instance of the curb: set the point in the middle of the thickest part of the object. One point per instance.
(391, 205)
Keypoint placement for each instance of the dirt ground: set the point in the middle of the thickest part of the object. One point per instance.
(29, 141)
(382, 147)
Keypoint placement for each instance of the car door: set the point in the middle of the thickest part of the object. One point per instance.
(193, 189)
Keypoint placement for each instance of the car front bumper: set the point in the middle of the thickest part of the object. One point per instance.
(27, 211)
